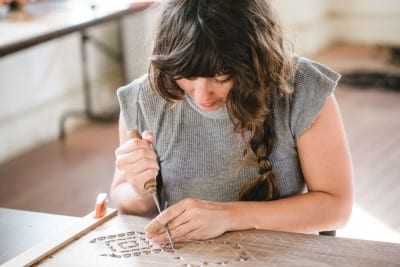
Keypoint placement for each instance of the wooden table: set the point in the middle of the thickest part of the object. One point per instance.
(46, 20)
(120, 241)
(21, 230)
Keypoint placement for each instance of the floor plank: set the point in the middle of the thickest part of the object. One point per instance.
(62, 177)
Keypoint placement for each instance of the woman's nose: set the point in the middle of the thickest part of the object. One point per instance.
(202, 87)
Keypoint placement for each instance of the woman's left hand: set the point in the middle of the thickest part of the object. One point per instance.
(189, 219)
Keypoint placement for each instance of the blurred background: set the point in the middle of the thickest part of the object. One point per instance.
(42, 97)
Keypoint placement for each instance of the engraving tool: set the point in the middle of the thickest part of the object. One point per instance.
(151, 187)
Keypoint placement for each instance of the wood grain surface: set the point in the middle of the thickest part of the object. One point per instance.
(121, 241)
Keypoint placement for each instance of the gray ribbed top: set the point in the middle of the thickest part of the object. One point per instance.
(197, 150)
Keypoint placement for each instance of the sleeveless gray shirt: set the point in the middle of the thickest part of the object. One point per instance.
(198, 151)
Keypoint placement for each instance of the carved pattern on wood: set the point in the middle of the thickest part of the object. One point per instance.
(195, 253)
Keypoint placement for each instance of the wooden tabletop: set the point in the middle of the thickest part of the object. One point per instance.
(21, 230)
(120, 241)
(45, 20)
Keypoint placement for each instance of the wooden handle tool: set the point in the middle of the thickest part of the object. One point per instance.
(151, 187)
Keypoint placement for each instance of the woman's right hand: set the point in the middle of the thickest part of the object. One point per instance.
(136, 161)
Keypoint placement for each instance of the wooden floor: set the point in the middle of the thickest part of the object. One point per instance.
(62, 177)
(65, 177)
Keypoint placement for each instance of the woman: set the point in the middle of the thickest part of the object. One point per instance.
(240, 133)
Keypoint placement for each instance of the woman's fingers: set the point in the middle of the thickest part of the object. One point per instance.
(154, 227)
(148, 137)
(172, 217)
(136, 160)
(190, 219)
(182, 233)
(179, 219)
(133, 145)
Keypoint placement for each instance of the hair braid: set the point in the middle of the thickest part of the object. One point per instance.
(264, 186)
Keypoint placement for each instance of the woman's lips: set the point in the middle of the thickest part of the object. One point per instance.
(206, 105)
(210, 106)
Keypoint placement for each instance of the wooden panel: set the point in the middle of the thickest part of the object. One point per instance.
(58, 241)
(121, 242)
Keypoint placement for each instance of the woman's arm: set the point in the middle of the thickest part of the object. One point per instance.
(135, 163)
(326, 164)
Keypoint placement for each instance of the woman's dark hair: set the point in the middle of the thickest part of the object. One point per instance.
(241, 38)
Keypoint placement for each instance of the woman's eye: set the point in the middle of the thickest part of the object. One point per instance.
(222, 80)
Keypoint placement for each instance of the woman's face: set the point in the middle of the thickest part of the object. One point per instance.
(209, 93)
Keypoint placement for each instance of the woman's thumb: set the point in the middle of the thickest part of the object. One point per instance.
(148, 136)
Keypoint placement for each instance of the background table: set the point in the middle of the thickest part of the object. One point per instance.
(46, 20)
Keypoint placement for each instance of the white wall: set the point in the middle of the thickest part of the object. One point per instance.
(39, 84)
(305, 24)
(138, 33)
(366, 21)
(315, 24)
